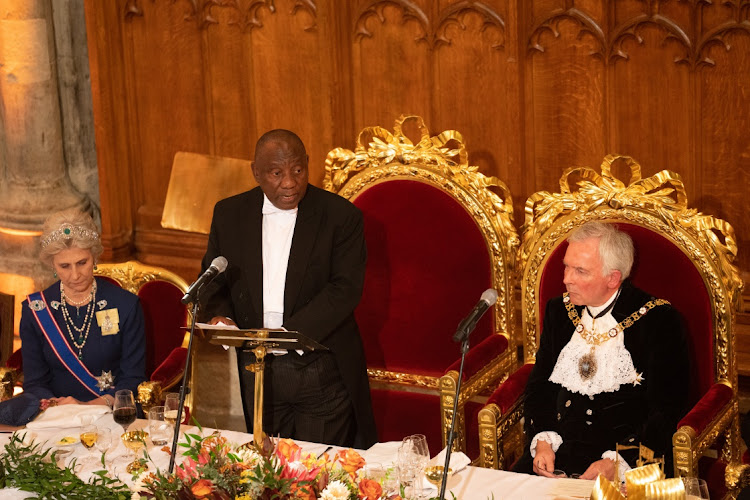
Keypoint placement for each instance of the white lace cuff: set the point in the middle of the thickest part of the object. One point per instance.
(622, 465)
(550, 437)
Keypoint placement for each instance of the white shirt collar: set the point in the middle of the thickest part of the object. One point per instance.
(596, 310)
(269, 208)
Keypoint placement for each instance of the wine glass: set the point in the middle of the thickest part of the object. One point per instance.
(103, 443)
(134, 441)
(417, 452)
(160, 429)
(124, 408)
(89, 435)
(171, 405)
(695, 489)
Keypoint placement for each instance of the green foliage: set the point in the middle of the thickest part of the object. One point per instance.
(33, 469)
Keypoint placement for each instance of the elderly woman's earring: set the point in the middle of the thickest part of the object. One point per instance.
(54, 273)
(95, 268)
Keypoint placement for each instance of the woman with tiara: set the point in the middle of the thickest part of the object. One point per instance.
(82, 338)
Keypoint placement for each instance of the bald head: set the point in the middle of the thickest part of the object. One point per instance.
(280, 138)
(280, 167)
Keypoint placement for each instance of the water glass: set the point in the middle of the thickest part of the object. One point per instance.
(160, 430)
(695, 489)
(171, 405)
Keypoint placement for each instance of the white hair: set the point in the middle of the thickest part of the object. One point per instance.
(615, 247)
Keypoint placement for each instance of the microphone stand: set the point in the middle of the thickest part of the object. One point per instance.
(452, 433)
(182, 388)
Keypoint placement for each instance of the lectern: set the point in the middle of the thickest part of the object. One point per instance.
(260, 341)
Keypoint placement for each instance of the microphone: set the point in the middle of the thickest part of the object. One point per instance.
(487, 300)
(218, 265)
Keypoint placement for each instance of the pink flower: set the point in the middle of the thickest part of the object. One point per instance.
(187, 470)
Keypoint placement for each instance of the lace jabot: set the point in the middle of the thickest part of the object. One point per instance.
(608, 364)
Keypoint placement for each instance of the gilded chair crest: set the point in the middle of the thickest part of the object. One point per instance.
(654, 208)
(441, 162)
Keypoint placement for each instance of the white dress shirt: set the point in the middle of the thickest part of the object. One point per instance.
(278, 230)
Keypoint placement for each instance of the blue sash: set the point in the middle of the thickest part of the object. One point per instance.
(60, 346)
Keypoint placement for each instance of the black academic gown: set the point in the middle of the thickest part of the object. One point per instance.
(324, 281)
(645, 413)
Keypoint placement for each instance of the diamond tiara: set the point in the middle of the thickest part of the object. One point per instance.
(67, 231)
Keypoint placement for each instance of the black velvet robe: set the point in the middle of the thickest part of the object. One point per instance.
(590, 425)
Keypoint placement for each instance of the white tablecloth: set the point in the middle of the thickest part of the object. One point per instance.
(472, 483)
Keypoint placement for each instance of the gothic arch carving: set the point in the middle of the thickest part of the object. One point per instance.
(587, 26)
(453, 16)
(631, 30)
(246, 13)
(718, 36)
(375, 8)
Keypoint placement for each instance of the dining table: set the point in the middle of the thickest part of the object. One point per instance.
(468, 483)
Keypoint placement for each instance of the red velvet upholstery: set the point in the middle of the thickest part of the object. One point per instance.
(707, 408)
(664, 271)
(427, 265)
(165, 318)
(15, 361)
(481, 355)
(509, 391)
(171, 368)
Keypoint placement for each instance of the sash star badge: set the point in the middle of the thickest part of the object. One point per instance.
(105, 381)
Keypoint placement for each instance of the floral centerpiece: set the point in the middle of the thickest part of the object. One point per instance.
(215, 469)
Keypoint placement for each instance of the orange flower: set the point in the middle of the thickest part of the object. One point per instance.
(370, 489)
(350, 460)
(288, 449)
(302, 492)
(202, 488)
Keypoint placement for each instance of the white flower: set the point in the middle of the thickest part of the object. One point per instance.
(248, 456)
(336, 490)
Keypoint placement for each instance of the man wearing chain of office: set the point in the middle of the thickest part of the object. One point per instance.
(611, 366)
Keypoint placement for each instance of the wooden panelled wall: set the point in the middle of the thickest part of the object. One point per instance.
(534, 86)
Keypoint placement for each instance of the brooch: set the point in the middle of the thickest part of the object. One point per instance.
(55, 305)
(37, 305)
(105, 381)
(102, 304)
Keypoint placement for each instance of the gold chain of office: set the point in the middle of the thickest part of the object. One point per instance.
(594, 338)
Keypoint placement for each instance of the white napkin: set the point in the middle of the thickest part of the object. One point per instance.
(66, 416)
(384, 454)
(459, 461)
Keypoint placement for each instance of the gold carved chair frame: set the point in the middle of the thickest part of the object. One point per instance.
(442, 162)
(658, 203)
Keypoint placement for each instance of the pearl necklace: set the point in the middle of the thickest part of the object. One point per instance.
(85, 328)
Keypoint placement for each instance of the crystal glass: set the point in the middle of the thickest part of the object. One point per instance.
(89, 435)
(134, 441)
(695, 489)
(161, 430)
(124, 408)
(415, 452)
(171, 405)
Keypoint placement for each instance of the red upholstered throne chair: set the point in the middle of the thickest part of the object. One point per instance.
(166, 319)
(681, 255)
(437, 236)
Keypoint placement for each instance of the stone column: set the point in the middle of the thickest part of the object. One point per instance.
(33, 178)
